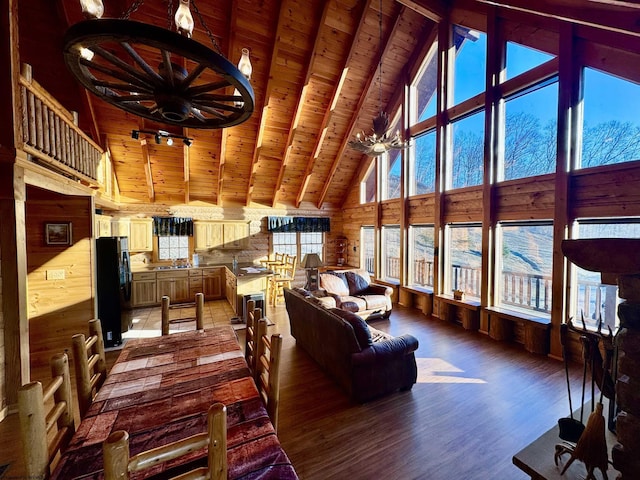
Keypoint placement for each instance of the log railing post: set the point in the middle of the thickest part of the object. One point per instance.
(165, 314)
(200, 311)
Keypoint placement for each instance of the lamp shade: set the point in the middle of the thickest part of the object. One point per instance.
(311, 260)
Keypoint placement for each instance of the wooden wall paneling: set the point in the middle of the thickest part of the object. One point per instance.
(530, 30)
(421, 209)
(530, 198)
(569, 99)
(617, 61)
(463, 205)
(608, 191)
(391, 212)
(58, 308)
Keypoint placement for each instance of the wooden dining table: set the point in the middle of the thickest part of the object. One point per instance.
(159, 391)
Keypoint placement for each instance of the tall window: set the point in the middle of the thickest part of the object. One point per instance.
(525, 253)
(422, 170)
(390, 252)
(521, 58)
(464, 258)
(173, 247)
(424, 88)
(391, 174)
(284, 242)
(368, 185)
(470, 63)
(530, 131)
(311, 242)
(421, 255)
(595, 300)
(367, 249)
(611, 130)
(467, 151)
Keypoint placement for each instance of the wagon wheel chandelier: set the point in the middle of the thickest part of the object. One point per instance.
(380, 140)
(156, 73)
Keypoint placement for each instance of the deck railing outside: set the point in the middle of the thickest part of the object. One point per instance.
(521, 290)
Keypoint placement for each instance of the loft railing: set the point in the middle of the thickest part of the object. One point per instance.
(50, 134)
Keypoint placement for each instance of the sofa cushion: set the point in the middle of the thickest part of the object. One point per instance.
(357, 283)
(334, 284)
(360, 327)
(353, 304)
(374, 302)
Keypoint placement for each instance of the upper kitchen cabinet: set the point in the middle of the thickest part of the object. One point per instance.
(141, 235)
(103, 226)
(120, 227)
(236, 235)
(207, 235)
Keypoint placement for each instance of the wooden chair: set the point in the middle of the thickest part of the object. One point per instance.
(90, 364)
(282, 278)
(268, 370)
(119, 465)
(278, 261)
(251, 336)
(199, 318)
(36, 423)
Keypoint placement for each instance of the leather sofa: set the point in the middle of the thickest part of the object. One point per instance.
(352, 290)
(366, 363)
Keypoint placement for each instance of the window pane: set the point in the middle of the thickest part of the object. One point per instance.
(173, 247)
(530, 133)
(391, 252)
(368, 186)
(464, 259)
(367, 249)
(311, 242)
(595, 300)
(470, 63)
(423, 170)
(521, 58)
(467, 151)
(421, 255)
(425, 88)
(611, 130)
(392, 176)
(525, 280)
(285, 242)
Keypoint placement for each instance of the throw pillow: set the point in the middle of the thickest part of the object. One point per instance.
(360, 327)
(357, 283)
(334, 284)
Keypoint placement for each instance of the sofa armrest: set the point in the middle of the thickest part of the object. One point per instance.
(377, 289)
(385, 350)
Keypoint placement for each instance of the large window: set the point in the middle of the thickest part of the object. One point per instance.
(424, 88)
(391, 252)
(525, 251)
(594, 300)
(391, 174)
(611, 130)
(521, 58)
(420, 252)
(423, 164)
(367, 249)
(530, 131)
(470, 63)
(368, 185)
(467, 151)
(464, 258)
(298, 244)
(173, 247)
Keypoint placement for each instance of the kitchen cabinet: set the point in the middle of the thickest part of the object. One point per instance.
(231, 290)
(195, 282)
(141, 235)
(207, 235)
(235, 235)
(102, 226)
(174, 284)
(143, 289)
(212, 279)
(120, 227)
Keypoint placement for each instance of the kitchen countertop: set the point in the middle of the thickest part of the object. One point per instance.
(239, 272)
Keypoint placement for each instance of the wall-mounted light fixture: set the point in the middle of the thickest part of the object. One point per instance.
(160, 134)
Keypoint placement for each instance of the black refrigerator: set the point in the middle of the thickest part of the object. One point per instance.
(113, 273)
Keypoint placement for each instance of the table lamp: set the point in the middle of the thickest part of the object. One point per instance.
(310, 263)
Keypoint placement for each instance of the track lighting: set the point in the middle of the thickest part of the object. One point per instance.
(160, 134)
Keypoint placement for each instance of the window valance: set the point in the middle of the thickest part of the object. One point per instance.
(298, 224)
(172, 226)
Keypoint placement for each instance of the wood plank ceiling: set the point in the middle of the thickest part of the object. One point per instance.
(314, 78)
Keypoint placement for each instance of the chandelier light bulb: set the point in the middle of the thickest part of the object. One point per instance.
(169, 141)
(86, 54)
(92, 9)
(238, 103)
(244, 65)
(184, 19)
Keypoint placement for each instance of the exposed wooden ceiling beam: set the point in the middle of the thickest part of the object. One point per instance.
(267, 96)
(432, 9)
(147, 169)
(301, 102)
(366, 92)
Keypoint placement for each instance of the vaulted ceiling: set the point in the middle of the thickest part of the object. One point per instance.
(314, 77)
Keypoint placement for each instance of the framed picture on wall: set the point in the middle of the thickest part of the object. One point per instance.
(57, 233)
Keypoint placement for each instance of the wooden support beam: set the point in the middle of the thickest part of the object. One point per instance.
(432, 9)
(147, 169)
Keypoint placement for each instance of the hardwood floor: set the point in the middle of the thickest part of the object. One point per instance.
(476, 403)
